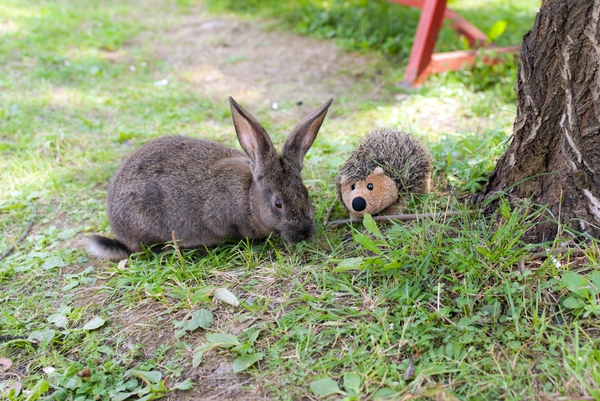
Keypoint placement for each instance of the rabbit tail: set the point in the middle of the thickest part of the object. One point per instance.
(107, 248)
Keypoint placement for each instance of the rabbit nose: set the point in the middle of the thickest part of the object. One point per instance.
(359, 204)
(299, 233)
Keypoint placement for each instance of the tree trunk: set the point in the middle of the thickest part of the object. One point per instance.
(554, 156)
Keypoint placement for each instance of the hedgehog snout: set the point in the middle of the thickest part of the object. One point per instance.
(359, 204)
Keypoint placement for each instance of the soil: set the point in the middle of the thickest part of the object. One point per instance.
(264, 68)
(229, 57)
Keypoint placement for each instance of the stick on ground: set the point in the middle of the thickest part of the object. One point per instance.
(11, 248)
(328, 215)
(400, 217)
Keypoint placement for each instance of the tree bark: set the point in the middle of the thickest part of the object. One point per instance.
(554, 155)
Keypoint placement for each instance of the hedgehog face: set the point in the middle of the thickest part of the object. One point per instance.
(371, 195)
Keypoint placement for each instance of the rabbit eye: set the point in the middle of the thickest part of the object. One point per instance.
(353, 187)
(370, 186)
(278, 204)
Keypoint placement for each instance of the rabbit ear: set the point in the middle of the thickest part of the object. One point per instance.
(303, 135)
(252, 136)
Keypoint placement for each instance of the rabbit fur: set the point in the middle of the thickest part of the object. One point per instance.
(202, 192)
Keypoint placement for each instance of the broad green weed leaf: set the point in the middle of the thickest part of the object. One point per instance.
(80, 274)
(67, 233)
(72, 284)
(573, 303)
(152, 376)
(88, 280)
(59, 320)
(53, 262)
(199, 353)
(79, 278)
(223, 340)
(245, 361)
(371, 226)
(106, 350)
(595, 279)
(203, 294)
(128, 385)
(58, 395)
(184, 385)
(352, 382)
(41, 335)
(349, 264)
(93, 324)
(496, 30)
(40, 388)
(253, 336)
(197, 359)
(325, 387)
(121, 396)
(200, 318)
(367, 242)
(575, 283)
(385, 392)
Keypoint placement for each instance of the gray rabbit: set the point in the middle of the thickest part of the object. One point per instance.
(205, 192)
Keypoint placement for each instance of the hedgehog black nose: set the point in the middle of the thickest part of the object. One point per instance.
(359, 204)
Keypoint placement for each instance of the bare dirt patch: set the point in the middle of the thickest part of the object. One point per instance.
(224, 57)
(265, 68)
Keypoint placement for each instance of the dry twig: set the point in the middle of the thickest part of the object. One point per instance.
(21, 238)
(329, 211)
(400, 217)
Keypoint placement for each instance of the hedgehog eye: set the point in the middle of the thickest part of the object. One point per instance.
(278, 204)
(353, 187)
(370, 186)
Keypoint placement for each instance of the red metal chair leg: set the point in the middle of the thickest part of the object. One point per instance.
(423, 61)
(474, 36)
(425, 38)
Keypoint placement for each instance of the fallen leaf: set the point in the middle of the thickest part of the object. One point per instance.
(15, 388)
(226, 296)
(410, 371)
(93, 324)
(49, 370)
(5, 365)
(122, 263)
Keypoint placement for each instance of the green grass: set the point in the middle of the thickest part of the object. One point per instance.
(448, 308)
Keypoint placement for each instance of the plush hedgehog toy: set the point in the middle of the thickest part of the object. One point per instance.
(386, 164)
